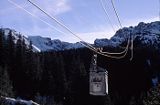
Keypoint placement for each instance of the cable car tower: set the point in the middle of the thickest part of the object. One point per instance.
(98, 79)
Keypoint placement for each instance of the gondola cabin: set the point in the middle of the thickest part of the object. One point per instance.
(99, 83)
(98, 79)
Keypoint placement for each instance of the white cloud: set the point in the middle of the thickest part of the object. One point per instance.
(61, 7)
(54, 7)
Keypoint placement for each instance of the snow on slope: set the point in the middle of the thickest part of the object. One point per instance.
(45, 44)
(12, 101)
(42, 43)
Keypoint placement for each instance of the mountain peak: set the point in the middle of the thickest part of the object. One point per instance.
(145, 33)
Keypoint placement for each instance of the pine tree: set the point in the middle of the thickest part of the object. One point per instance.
(9, 50)
(1, 47)
(6, 88)
(153, 96)
(30, 46)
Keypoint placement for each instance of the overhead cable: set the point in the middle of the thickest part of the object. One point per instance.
(107, 15)
(159, 8)
(126, 48)
(15, 4)
(108, 18)
(116, 13)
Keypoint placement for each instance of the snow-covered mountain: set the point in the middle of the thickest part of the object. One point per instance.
(43, 43)
(46, 44)
(146, 34)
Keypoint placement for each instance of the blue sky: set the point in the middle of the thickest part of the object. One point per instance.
(86, 18)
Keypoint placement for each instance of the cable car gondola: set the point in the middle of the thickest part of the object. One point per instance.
(98, 79)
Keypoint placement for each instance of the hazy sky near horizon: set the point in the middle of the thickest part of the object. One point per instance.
(86, 18)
